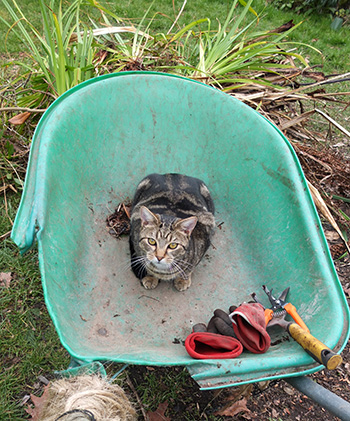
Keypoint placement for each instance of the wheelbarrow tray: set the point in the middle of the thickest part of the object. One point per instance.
(90, 150)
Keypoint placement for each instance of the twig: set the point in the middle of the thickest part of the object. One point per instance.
(132, 387)
(327, 82)
(6, 235)
(147, 296)
(297, 120)
(323, 164)
(15, 171)
(6, 207)
(322, 82)
(126, 210)
(289, 94)
(218, 393)
(178, 16)
(337, 125)
(329, 94)
(30, 110)
(8, 186)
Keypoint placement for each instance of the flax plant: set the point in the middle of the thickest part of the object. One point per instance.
(124, 52)
(233, 54)
(60, 59)
(69, 51)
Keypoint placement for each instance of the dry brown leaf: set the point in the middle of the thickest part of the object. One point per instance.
(39, 403)
(243, 391)
(331, 236)
(19, 118)
(5, 279)
(159, 413)
(347, 291)
(274, 413)
(234, 409)
(335, 123)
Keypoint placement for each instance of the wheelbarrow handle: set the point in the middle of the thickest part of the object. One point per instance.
(318, 351)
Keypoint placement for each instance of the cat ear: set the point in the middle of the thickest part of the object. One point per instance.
(187, 225)
(147, 217)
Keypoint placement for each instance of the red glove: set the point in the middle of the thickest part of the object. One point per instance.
(206, 345)
(250, 327)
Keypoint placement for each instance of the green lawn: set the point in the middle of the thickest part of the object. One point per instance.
(315, 30)
(29, 346)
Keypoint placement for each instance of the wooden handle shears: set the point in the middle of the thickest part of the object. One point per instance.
(298, 331)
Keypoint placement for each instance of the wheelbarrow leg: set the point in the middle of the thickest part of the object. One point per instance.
(328, 400)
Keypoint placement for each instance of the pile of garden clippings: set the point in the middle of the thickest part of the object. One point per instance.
(118, 223)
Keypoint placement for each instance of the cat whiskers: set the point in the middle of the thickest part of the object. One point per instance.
(125, 265)
(139, 262)
(178, 269)
(182, 266)
(185, 264)
(136, 262)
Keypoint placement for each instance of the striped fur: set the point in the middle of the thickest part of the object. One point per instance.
(176, 213)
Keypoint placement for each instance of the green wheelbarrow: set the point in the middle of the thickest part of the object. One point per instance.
(90, 150)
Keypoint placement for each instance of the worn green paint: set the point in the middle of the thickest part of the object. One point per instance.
(93, 146)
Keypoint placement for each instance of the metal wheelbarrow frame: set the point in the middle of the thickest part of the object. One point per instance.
(89, 151)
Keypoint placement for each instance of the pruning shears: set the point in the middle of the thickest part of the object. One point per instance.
(276, 314)
(280, 307)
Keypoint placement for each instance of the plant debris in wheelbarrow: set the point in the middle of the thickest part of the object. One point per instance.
(118, 223)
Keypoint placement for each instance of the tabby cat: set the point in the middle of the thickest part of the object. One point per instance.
(172, 221)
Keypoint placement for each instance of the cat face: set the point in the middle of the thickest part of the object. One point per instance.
(164, 241)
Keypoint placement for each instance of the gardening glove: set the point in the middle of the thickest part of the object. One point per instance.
(207, 345)
(199, 327)
(221, 323)
(250, 327)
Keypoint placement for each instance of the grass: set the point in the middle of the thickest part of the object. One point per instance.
(131, 11)
(28, 342)
(316, 31)
(29, 345)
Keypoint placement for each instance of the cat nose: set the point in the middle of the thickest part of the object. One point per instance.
(160, 256)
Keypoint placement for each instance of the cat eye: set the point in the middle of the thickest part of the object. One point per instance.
(172, 246)
(151, 241)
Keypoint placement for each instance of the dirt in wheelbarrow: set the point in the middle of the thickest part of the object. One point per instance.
(170, 394)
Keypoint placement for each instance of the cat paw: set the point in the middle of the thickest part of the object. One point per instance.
(150, 282)
(182, 284)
